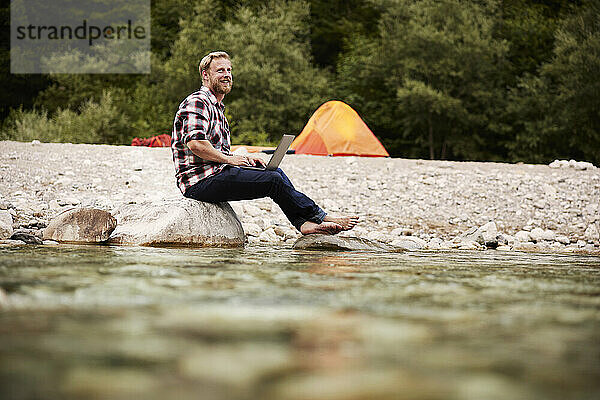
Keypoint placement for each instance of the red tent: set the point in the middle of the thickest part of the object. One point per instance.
(163, 140)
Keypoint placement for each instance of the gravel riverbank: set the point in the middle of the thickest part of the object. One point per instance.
(431, 203)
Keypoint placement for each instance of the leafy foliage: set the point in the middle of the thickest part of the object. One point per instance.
(92, 123)
(559, 110)
(439, 76)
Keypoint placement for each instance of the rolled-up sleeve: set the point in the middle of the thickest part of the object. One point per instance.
(195, 119)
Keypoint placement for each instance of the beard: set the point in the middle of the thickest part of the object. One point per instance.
(220, 86)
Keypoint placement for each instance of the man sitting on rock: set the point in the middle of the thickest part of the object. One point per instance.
(207, 171)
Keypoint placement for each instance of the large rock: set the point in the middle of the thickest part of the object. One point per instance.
(81, 225)
(6, 229)
(331, 242)
(178, 222)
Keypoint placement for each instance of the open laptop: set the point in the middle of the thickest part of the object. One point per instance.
(277, 156)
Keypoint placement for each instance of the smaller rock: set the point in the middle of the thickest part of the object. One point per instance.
(548, 235)
(486, 235)
(559, 164)
(591, 234)
(583, 165)
(252, 210)
(263, 223)
(83, 225)
(435, 244)
(54, 205)
(285, 232)
(68, 201)
(523, 236)
(563, 239)
(26, 237)
(409, 244)
(6, 221)
(252, 229)
(268, 236)
(332, 242)
(378, 236)
(505, 239)
(536, 234)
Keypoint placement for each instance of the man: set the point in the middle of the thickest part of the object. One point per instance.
(206, 170)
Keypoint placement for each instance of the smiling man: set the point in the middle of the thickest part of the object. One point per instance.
(206, 170)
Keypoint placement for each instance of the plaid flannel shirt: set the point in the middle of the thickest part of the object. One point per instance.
(199, 117)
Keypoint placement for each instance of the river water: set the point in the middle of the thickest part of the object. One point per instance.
(100, 322)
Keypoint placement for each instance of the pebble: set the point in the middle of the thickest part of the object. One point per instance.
(252, 229)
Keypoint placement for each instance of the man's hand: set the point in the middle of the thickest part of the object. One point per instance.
(256, 161)
(246, 160)
(204, 149)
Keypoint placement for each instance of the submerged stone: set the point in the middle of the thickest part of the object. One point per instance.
(178, 222)
(330, 242)
(26, 237)
(409, 243)
(6, 220)
(82, 225)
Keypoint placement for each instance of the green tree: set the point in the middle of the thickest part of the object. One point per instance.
(432, 82)
(560, 110)
(17, 89)
(333, 22)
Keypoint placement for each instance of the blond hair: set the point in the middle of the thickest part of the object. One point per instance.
(207, 59)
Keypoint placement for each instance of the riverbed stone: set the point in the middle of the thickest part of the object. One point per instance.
(435, 244)
(26, 237)
(269, 236)
(409, 243)
(6, 221)
(592, 234)
(536, 234)
(81, 225)
(486, 235)
(562, 239)
(522, 236)
(178, 222)
(252, 229)
(331, 242)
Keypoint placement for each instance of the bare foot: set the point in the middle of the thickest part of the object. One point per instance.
(327, 228)
(346, 223)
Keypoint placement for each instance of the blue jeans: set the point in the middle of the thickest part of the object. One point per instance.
(232, 184)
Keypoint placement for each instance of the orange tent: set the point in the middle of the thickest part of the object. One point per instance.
(336, 129)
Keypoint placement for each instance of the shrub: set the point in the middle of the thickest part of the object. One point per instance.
(93, 123)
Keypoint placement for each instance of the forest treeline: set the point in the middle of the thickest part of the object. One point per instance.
(496, 80)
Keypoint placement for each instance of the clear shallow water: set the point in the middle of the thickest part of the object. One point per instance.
(275, 323)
